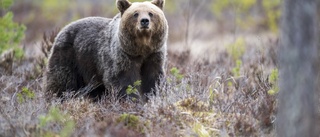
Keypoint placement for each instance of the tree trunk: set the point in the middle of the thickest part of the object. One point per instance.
(297, 112)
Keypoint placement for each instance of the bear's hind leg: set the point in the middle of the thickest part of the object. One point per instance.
(61, 73)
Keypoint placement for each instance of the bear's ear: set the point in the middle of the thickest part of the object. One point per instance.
(159, 3)
(123, 5)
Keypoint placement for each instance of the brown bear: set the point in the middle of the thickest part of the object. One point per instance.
(102, 53)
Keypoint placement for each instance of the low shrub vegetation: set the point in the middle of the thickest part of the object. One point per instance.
(202, 98)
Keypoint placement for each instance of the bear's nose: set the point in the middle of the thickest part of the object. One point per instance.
(144, 22)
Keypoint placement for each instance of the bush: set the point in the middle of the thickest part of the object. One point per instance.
(11, 33)
(56, 117)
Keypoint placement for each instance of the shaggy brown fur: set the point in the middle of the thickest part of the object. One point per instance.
(112, 52)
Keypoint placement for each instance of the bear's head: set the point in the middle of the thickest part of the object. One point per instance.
(142, 24)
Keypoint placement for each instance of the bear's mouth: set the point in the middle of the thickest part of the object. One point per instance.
(144, 27)
(144, 30)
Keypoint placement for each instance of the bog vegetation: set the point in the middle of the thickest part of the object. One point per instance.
(228, 88)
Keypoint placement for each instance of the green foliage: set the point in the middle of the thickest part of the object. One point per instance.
(200, 130)
(25, 94)
(176, 73)
(242, 10)
(129, 120)
(11, 33)
(237, 49)
(241, 6)
(5, 4)
(133, 89)
(273, 80)
(273, 13)
(236, 69)
(177, 78)
(132, 122)
(212, 95)
(55, 116)
(200, 115)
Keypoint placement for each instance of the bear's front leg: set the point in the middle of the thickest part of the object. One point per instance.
(125, 72)
(151, 72)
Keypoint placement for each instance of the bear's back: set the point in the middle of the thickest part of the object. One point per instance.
(82, 40)
(83, 31)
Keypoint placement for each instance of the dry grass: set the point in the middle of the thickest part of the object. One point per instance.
(203, 99)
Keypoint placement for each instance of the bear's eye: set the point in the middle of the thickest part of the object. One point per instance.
(136, 15)
(150, 14)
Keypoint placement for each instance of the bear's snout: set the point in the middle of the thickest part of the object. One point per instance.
(144, 23)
